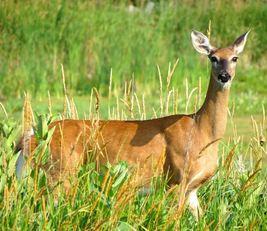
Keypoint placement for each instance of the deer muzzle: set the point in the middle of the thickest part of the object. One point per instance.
(224, 77)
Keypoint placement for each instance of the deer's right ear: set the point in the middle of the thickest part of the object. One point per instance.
(239, 44)
(201, 42)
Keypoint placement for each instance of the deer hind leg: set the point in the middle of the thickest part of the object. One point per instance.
(193, 204)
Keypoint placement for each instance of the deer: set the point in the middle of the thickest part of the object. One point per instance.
(189, 142)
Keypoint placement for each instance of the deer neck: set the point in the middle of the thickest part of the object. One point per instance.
(212, 115)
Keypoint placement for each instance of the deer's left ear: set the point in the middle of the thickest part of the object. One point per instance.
(239, 44)
(201, 42)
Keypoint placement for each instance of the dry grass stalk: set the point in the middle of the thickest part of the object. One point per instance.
(209, 30)
(159, 168)
(73, 191)
(202, 150)
(128, 109)
(209, 225)
(102, 191)
(129, 99)
(96, 104)
(144, 108)
(14, 187)
(132, 101)
(49, 103)
(27, 116)
(44, 208)
(229, 160)
(254, 225)
(123, 199)
(130, 186)
(108, 185)
(63, 79)
(4, 110)
(256, 131)
(263, 117)
(41, 192)
(167, 102)
(99, 224)
(176, 101)
(15, 224)
(66, 102)
(109, 93)
(91, 104)
(138, 105)
(73, 110)
(233, 109)
(254, 150)
(117, 116)
(64, 224)
(208, 201)
(154, 113)
(188, 98)
(262, 137)
(161, 94)
(64, 107)
(170, 73)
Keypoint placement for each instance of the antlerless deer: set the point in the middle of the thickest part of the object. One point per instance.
(190, 140)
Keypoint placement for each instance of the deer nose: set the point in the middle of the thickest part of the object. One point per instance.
(224, 77)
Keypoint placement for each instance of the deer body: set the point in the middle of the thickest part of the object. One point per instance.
(189, 142)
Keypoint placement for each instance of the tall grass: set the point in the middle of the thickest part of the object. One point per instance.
(234, 199)
(91, 37)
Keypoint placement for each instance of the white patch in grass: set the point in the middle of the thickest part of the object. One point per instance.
(19, 165)
(21, 160)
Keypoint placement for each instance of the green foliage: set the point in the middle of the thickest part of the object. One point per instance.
(119, 174)
(89, 38)
(43, 135)
(8, 134)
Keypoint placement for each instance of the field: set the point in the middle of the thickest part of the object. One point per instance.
(81, 59)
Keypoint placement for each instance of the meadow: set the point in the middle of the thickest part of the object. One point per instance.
(90, 59)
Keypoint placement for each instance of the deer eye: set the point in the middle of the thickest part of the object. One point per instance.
(234, 59)
(213, 59)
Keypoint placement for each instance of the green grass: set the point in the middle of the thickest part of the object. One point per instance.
(90, 38)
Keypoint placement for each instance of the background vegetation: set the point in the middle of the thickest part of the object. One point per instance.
(91, 37)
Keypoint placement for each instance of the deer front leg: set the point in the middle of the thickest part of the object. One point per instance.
(193, 204)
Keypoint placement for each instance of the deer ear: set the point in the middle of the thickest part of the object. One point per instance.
(239, 44)
(201, 42)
